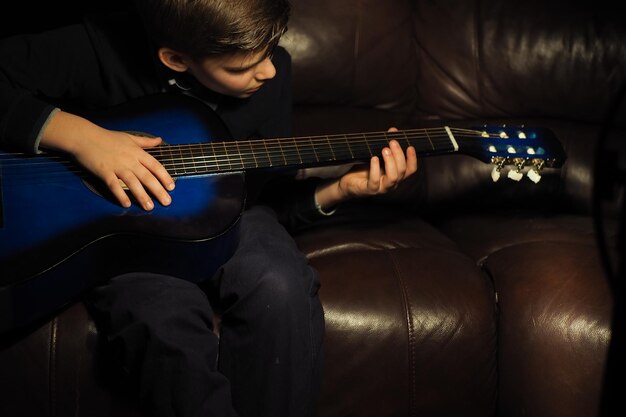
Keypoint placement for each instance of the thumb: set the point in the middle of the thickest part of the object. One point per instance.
(147, 142)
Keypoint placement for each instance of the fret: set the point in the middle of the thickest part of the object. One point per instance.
(278, 151)
(376, 142)
(177, 161)
(206, 163)
(189, 161)
(189, 152)
(306, 150)
(429, 139)
(332, 151)
(226, 157)
(341, 148)
(369, 148)
(164, 156)
(406, 139)
(297, 148)
(323, 150)
(274, 154)
(247, 155)
(220, 163)
(259, 149)
(289, 152)
(233, 156)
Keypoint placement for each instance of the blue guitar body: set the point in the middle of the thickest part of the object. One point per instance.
(61, 233)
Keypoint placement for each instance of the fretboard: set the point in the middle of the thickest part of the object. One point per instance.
(304, 151)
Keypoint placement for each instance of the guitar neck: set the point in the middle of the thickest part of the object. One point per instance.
(305, 151)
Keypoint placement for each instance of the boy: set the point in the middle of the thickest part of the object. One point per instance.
(159, 331)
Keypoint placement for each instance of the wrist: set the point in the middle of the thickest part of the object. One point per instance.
(328, 195)
(321, 210)
(67, 132)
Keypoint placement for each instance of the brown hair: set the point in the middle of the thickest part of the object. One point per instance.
(203, 28)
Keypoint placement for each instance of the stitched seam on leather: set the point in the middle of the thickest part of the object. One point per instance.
(478, 33)
(357, 44)
(52, 367)
(411, 334)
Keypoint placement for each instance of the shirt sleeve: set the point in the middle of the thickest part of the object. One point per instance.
(22, 118)
(94, 64)
(36, 70)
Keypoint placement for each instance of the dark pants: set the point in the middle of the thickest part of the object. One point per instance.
(267, 358)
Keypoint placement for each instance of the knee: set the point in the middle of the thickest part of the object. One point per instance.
(282, 293)
(150, 300)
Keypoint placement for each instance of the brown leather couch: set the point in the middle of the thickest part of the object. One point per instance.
(455, 295)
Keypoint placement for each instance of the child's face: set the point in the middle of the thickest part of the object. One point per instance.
(238, 75)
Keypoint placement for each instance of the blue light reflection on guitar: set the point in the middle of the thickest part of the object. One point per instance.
(61, 232)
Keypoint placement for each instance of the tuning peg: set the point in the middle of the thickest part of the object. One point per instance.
(516, 174)
(534, 173)
(495, 174)
(498, 162)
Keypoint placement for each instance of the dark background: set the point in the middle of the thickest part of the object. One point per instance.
(35, 16)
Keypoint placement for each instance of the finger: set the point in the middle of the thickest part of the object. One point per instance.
(154, 186)
(373, 182)
(391, 169)
(113, 183)
(159, 172)
(399, 158)
(392, 129)
(411, 161)
(146, 142)
(137, 190)
(154, 166)
(155, 169)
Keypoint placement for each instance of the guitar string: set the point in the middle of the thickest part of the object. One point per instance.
(261, 142)
(290, 153)
(243, 160)
(421, 133)
(408, 134)
(174, 170)
(238, 161)
(280, 146)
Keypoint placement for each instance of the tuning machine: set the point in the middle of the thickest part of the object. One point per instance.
(498, 162)
(534, 173)
(535, 166)
(517, 174)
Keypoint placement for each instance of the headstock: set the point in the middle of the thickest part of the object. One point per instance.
(523, 149)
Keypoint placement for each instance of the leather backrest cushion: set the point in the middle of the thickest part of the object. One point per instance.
(470, 59)
(352, 52)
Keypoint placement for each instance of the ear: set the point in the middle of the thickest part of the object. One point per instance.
(172, 59)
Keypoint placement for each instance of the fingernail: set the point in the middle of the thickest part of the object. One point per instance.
(171, 186)
(149, 205)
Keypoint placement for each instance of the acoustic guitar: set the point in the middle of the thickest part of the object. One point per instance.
(62, 233)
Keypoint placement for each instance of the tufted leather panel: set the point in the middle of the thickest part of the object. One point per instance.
(554, 328)
(420, 336)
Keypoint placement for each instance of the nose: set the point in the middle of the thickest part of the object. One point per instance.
(265, 70)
